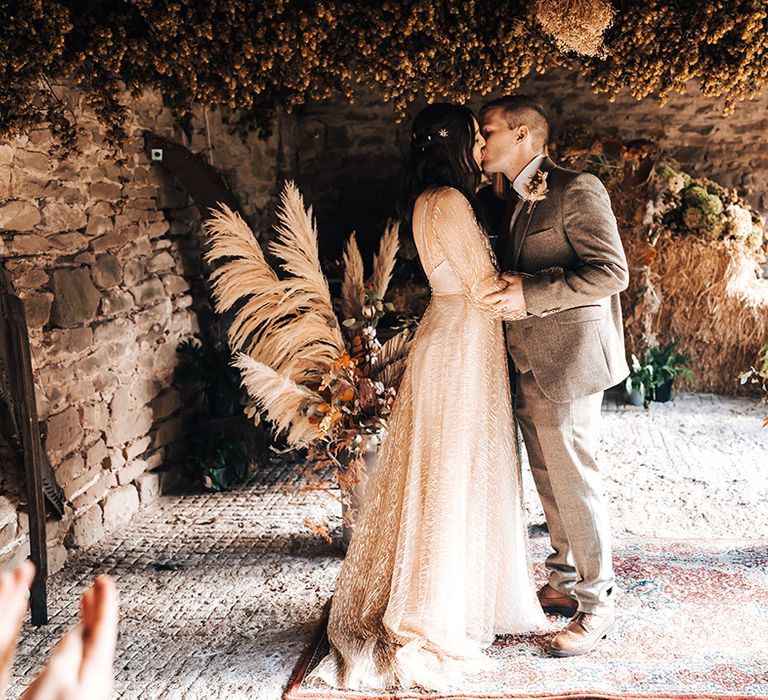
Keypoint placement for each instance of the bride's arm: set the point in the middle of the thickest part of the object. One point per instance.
(465, 246)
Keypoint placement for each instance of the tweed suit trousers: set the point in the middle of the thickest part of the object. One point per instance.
(561, 441)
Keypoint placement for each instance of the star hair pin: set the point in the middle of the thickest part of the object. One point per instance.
(536, 188)
(443, 133)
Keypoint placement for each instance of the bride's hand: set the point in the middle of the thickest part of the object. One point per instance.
(510, 299)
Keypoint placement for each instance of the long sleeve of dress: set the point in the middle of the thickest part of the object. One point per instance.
(464, 245)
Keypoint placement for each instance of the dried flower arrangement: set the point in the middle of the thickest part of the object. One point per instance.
(684, 205)
(576, 25)
(328, 386)
(536, 189)
(694, 250)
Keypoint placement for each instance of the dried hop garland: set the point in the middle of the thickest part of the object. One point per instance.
(263, 59)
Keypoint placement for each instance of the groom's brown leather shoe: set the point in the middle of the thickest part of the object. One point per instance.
(581, 634)
(555, 603)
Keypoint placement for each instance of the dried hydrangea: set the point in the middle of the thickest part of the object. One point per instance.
(674, 180)
(757, 238)
(702, 212)
(575, 25)
(738, 222)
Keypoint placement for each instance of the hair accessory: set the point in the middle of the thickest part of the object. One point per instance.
(443, 133)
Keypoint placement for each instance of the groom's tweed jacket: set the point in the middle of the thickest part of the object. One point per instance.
(573, 337)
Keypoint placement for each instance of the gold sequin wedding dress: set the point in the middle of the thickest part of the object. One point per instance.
(439, 563)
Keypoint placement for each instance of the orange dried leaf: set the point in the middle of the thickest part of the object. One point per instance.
(319, 529)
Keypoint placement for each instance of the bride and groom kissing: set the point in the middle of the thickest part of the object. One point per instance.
(439, 562)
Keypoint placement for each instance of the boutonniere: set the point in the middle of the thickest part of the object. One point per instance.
(536, 188)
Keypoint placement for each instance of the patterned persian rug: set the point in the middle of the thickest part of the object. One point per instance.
(693, 623)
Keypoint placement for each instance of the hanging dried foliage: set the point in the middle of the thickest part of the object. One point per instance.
(656, 47)
(261, 57)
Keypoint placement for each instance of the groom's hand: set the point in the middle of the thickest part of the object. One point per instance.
(511, 297)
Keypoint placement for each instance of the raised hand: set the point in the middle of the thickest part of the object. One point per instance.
(81, 665)
(99, 611)
(14, 594)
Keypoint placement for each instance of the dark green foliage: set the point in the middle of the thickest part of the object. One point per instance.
(221, 445)
(663, 363)
(220, 462)
(210, 373)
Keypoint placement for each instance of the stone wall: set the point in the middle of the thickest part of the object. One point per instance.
(107, 260)
(346, 159)
(691, 128)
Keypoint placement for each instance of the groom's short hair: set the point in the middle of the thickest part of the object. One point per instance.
(520, 110)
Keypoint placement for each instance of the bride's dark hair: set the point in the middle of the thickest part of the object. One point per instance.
(442, 141)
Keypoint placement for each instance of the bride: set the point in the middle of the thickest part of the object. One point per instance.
(438, 563)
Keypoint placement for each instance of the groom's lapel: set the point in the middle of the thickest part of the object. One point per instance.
(506, 232)
(520, 231)
(524, 220)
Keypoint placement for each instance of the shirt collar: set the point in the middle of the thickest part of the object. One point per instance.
(526, 174)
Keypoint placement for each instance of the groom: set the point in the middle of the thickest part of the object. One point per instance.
(567, 349)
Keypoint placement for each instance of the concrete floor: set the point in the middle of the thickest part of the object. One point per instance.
(220, 592)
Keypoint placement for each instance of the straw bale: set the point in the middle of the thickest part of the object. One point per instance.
(708, 297)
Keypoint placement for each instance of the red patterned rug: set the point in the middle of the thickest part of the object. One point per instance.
(693, 623)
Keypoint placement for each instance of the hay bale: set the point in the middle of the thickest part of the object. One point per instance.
(709, 298)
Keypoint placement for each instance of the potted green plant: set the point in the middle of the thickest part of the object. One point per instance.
(639, 383)
(653, 379)
(667, 363)
(224, 448)
(219, 460)
(208, 371)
